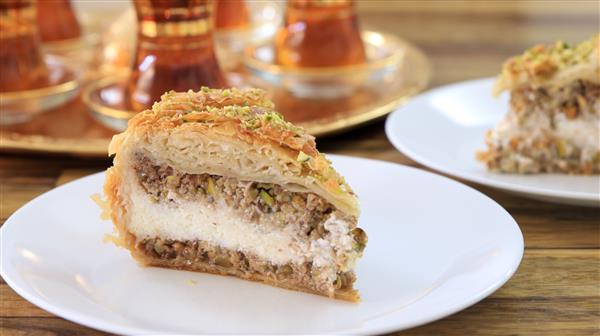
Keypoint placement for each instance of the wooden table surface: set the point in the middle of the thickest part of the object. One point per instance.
(556, 290)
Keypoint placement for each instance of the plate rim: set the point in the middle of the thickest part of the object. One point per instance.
(115, 327)
(391, 121)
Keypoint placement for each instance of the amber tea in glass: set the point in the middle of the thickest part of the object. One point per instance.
(321, 33)
(231, 14)
(57, 21)
(22, 65)
(174, 50)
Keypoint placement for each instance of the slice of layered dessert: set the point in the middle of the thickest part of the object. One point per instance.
(216, 181)
(553, 125)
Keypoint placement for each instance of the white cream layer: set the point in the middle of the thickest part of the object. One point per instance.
(582, 132)
(221, 226)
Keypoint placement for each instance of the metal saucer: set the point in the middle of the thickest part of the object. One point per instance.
(106, 100)
(385, 55)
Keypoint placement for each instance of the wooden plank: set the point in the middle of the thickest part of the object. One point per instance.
(529, 316)
(13, 305)
(46, 326)
(493, 317)
(13, 196)
(69, 175)
(556, 273)
(45, 165)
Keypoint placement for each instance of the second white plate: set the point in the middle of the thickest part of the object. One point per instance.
(435, 247)
(443, 129)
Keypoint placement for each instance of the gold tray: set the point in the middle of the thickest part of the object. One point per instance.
(72, 130)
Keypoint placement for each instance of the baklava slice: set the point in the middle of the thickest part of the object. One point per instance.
(216, 181)
(553, 125)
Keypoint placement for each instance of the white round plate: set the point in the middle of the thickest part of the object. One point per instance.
(435, 247)
(445, 127)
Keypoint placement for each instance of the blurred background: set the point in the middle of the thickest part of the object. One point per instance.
(73, 77)
(454, 33)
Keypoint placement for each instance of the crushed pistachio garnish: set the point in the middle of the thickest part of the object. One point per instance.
(337, 284)
(211, 187)
(302, 157)
(561, 148)
(333, 186)
(360, 238)
(544, 60)
(266, 198)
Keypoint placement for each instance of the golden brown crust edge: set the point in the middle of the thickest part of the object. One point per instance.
(116, 209)
(347, 295)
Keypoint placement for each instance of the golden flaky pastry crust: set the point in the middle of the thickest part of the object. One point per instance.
(551, 66)
(269, 149)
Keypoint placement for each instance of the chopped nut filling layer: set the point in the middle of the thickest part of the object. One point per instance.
(324, 264)
(548, 131)
(268, 204)
(579, 99)
(193, 255)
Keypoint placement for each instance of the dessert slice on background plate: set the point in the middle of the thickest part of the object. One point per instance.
(540, 138)
(216, 181)
(553, 125)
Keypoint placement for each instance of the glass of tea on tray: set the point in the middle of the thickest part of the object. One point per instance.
(231, 14)
(30, 82)
(321, 53)
(57, 21)
(320, 33)
(21, 61)
(174, 50)
(239, 23)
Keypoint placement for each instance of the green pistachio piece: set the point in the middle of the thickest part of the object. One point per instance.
(223, 262)
(339, 281)
(266, 198)
(360, 237)
(302, 157)
(211, 190)
(561, 147)
(286, 270)
(170, 179)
